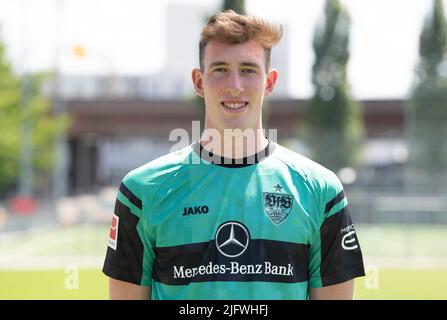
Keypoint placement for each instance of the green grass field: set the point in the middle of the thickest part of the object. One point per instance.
(92, 284)
(403, 284)
(51, 263)
(53, 285)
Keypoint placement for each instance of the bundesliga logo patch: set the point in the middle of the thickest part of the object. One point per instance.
(113, 236)
(277, 206)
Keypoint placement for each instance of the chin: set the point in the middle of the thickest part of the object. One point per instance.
(237, 125)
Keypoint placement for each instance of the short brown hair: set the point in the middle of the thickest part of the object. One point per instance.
(232, 28)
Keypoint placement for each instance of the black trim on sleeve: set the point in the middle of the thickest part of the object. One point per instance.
(341, 256)
(126, 262)
(130, 196)
(339, 197)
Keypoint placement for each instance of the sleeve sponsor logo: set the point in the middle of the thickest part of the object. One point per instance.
(349, 240)
(113, 235)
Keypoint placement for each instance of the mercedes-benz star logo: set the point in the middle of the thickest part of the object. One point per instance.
(232, 239)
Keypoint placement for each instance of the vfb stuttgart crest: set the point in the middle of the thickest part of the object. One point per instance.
(277, 206)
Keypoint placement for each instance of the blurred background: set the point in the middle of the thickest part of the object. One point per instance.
(90, 90)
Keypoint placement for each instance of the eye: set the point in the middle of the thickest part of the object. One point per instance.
(220, 69)
(249, 71)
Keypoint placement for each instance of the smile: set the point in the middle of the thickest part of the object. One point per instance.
(234, 106)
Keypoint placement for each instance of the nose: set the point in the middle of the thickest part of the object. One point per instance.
(235, 85)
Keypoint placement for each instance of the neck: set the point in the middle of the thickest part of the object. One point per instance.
(234, 143)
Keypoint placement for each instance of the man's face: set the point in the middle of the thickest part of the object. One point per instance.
(233, 84)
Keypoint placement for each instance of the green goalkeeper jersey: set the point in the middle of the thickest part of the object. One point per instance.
(192, 225)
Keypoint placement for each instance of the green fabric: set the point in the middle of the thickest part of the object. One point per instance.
(168, 185)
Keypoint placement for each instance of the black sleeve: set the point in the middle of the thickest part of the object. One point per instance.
(341, 257)
(124, 257)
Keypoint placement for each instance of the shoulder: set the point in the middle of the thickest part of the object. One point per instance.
(309, 176)
(307, 170)
(157, 169)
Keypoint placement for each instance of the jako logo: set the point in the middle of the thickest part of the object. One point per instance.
(195, 210)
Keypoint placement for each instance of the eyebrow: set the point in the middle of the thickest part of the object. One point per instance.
(251, 65)
(219, 63)
(243, 64)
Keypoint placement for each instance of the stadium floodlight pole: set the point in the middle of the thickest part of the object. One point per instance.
(60, 179)
(60, 171)
(24, 202)
(25, 173)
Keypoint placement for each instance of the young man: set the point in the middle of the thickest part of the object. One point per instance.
(234, 215)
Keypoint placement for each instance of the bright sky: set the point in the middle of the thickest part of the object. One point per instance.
(129, 37)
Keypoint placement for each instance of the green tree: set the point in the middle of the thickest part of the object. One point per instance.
(13, 113)
(9, 122)
(237, 6)
(45, 127)
(428, 99)
(333, 125)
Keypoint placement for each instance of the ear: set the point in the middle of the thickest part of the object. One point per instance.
(197, 81)
(272, 75)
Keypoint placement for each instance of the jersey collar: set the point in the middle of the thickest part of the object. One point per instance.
(233, 163)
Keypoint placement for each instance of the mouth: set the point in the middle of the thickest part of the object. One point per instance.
(234, 106)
